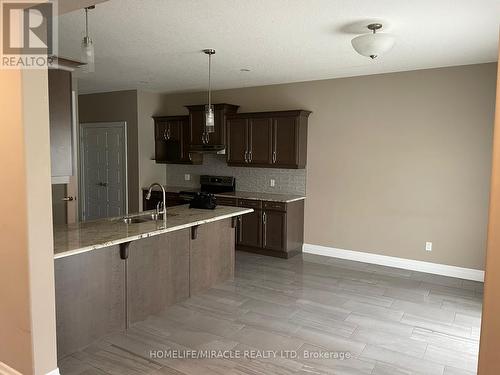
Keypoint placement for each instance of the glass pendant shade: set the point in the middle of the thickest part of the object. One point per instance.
(88, 55)
(373, 45)
(209, 119)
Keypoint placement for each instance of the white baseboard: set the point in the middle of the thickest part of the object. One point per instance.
(407, 264)
(7, 370)
(54, 372)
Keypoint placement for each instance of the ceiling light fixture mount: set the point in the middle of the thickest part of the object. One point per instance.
(209, 108)
(374, 44)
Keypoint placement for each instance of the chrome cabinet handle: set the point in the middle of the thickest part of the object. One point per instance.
(246, 156)
(274, 157)
(67, 199)
(249, 156)
(204, 138)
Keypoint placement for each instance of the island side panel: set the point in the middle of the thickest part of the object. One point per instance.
(90, 298)
(157, 273)
(212, 255)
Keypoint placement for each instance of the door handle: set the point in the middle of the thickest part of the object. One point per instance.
(67, 199)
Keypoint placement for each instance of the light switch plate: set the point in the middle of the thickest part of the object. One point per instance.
(428, 246)
(187, 177)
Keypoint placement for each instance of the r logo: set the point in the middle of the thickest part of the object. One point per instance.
(28, 28)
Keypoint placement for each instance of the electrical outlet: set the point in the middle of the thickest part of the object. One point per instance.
(187, 177)
(273, 182)
(428, 246)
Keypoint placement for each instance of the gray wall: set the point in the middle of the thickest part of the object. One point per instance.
(394, 160)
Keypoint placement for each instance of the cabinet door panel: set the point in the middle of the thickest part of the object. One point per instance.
(196, 127)
(260, 140)
(274, 227)
(250, 229)
(173, 141)
(237, 140)
(60, 115)
(285, 141)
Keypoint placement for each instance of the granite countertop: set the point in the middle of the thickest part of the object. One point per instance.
(172, 189)
(274, 197)
(86, 236)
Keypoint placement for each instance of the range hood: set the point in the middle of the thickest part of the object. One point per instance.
(208, 149)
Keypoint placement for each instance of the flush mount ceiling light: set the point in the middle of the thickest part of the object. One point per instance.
(209, 108)
(88, 55)
(374, 44)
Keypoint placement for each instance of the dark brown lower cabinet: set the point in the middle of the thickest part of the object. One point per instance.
(274, 228)
(250, 229)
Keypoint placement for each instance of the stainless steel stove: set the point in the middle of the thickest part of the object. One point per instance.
(212, 185)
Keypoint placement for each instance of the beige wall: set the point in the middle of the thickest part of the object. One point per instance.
(117, 106)
(394, 160)
(15, 337)
(490, 329)
(39, 219)
(27, 313)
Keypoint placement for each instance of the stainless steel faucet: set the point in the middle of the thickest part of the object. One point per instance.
(163, 205)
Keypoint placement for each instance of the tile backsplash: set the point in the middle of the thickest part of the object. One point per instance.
(291, 181)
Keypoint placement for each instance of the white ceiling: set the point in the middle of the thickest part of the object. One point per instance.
(155, 44)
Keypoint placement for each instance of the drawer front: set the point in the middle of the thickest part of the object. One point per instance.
(250, 203)
(225, 201)
(276, 206)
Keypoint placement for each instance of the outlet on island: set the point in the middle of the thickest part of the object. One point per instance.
(187, 177)
(272, 182)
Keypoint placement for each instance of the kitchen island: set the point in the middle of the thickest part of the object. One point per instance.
(110, 275)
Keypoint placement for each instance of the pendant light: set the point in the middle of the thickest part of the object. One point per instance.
(209, 108)
(373, 45)
(88, 55)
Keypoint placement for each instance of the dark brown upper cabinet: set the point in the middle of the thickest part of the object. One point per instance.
(172, 140)
(201, 140)
(267, 139)
(60, 115)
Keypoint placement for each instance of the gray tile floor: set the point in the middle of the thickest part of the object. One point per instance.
(390, 321)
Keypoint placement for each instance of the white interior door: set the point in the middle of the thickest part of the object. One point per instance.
(103, 159)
